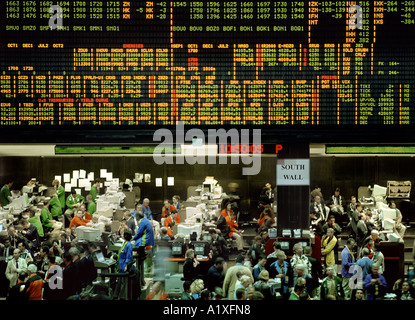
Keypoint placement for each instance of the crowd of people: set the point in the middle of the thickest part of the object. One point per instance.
(45, 260)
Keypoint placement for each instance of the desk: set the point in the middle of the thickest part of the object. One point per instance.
(182, 260)
(175, 264)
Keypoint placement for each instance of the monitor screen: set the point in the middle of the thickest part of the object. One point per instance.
(177, 248)
(304, 244)
(285, 245)
(100, 256)
(199, 249)
(1, 227)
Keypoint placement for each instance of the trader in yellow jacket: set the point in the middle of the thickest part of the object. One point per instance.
(327, 248)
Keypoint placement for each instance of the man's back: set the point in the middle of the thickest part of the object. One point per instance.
(144, 236)
(34, 286)
(231, 278)
(17, 292)
(316, 270)
(214, 278)
(365, 263)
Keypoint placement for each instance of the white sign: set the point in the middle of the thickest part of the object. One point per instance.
(293, 172)
(170, 181)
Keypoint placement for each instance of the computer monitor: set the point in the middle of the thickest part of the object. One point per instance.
(20, 202)
(201, 248)
(388, 214)
(1, 227)
(388, 224)
(207, 187)
(176, 248)
(99, 256)
(187, 230)
(378, 191)
(304, 244)
(191, 211)
(285, 245)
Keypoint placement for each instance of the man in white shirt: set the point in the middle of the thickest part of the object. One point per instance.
(15, 267)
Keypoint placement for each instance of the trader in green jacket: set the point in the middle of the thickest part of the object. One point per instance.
(94, 190)
(45, 216)
(73, 202)
(35, 220)
(5, 193)
(91, 206)
(55, 207)
(60, 191)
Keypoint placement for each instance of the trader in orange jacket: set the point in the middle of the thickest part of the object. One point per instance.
(78, 219)
(234, 233)
(172, 217)
(34, 284)
(167, 208)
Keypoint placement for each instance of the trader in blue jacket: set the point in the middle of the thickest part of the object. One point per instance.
(145, 235)
(144, 240)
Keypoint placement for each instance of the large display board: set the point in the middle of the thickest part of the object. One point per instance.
(134, 64)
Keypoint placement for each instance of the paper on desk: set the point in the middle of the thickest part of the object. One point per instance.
(159, 182)
(75, 174)
(66, 177)
(82, 174)
(103, 173)
(68, 187)
(170, 181)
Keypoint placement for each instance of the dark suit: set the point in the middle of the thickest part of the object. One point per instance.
(222, 247)
(90, 270)
(222, 225)
(53, 290)
(214, 278)
(316, 271)
(16, 295)
(189, 271)
(6, 252)
(33, 236)
(353, 222)
(15, 240)
(69, 280)
(131, 225)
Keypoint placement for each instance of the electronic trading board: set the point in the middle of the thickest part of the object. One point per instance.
(268, 64)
